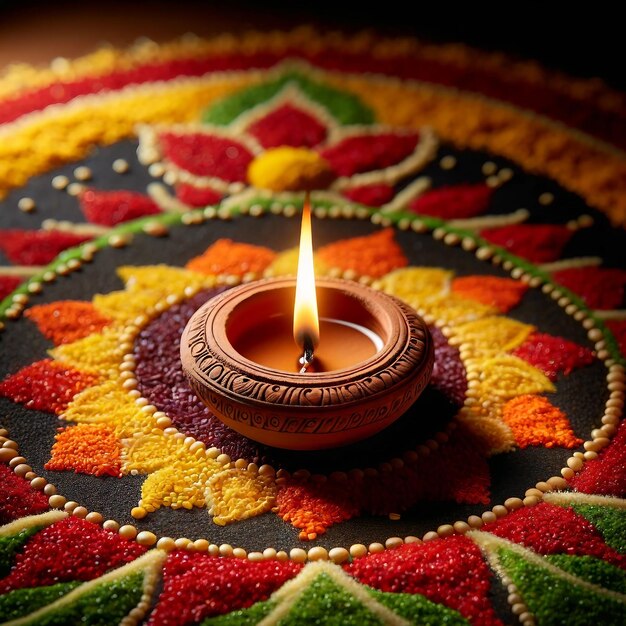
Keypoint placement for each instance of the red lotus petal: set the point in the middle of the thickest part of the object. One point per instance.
(364, 153)
(17, 497)
(458, 202)
(448, 571)
(539, 243)
(36, 247)
(370, 195)
(72, 549)
(8, 284)
(606, 474)
(197, 586)
(501, 293)
(553, 355)
(288, 126)
(45, 385)
(549, 529)
(197, 196)
(203, 154)
(599, 287)
(113, 207)
(67, 320)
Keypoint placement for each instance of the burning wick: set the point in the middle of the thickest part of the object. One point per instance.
(305, 318)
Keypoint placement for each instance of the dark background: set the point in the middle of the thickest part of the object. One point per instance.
(586, 42)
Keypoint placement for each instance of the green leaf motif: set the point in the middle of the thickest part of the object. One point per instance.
(611, 522)
(552, 593)
(21, 602)
(332, 598)
(11, 545)
(592, 570)
(344, 107)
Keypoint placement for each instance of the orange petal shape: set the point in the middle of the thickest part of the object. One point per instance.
(66, 321)
(88, 449)
(229, 257)
(372, 255)
(500, 293)
(536, 422)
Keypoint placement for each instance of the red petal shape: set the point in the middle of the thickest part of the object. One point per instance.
(17, 497)
(501, 293)
(288, 126)
(599, 287)
(606, 474)
(72, 549)
(197, 196)
(197, 586)
(207, 155)
(370, 195)
(65, 321)
(364, 153)
(8, 284)
(113, 207)
(457, 202)
(539, 243)
(549, 529)
(45, 386)
(448, 571)
(36, 247)
(553, 355)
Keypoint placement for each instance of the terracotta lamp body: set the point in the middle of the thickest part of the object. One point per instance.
(315, 409)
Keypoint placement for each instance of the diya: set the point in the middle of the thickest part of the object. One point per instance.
(306, 363)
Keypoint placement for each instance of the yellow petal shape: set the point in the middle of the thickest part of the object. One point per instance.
(98, 353)
(491, 335)
(506, 376)
(150, 452)
(238, 494)
(177, 486)
(449, 310)
(162, 279)
(108, 403)
(416, 282)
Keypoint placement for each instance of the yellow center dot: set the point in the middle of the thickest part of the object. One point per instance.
(290, 169)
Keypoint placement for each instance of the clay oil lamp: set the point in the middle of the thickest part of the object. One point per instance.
(340, 365)
(305, 363)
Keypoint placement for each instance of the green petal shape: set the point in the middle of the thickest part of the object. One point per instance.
(104, 605)
(21, 602)
(592, 570)
(327, 601)
(11, 545)
(550, 596)
(343, 106)
(610, 521)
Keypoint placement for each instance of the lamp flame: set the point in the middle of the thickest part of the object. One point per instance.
(306, 328)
